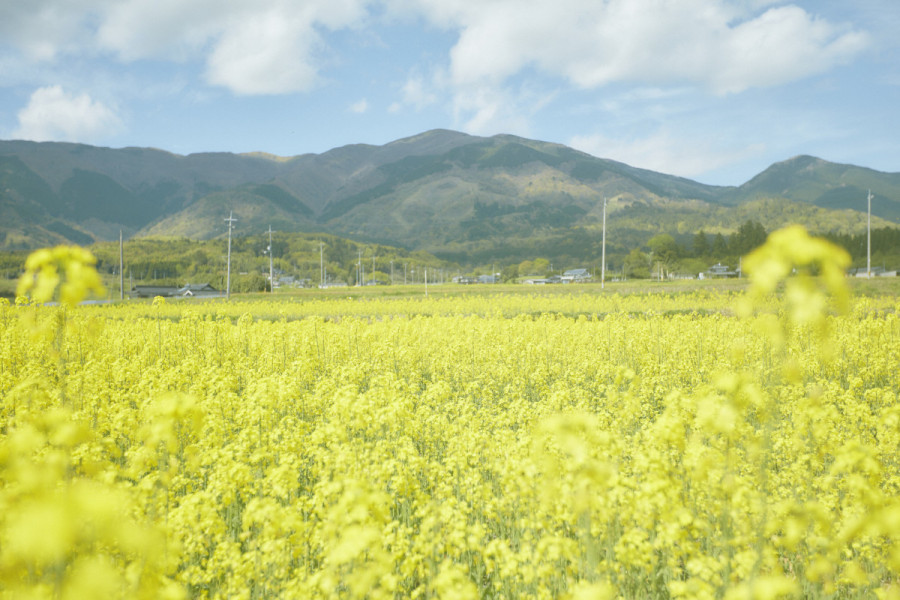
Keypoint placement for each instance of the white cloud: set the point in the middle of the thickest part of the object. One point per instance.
(722, 47)
(275, 46)
(360, 107)
(55, 115)
(487, 110)
(725, 46)
(267, 47)
(417, 93)
(249, 47)
(166, 29)
(667, 153)
(42, 29)
(270, 53)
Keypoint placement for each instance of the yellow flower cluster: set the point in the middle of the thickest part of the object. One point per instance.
(42, 275)
(504, 446)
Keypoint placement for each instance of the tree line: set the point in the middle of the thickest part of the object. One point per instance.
(308, 256)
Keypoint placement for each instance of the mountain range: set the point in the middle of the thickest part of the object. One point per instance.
(460, 197)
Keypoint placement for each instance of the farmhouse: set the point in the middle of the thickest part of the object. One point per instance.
(876, 272)
(198, 289)
(188, 290)
(719, 271)
(576, 276)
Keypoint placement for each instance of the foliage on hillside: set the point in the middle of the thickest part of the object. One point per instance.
(470, 200)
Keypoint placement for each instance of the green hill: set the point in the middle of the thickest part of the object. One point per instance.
(464, 198)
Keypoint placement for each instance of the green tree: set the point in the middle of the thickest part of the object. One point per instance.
(509, 273)
(665, 249)
(637, 265)
(749, 236)
(701, 244)
(719, 247)
(526, 267)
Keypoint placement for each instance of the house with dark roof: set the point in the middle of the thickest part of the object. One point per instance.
(189, 290)
(197, 289)
(719, 271)
(576, 276)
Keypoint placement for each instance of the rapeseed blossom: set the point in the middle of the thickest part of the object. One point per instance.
(574, 446)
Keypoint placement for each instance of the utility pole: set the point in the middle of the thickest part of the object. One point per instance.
(121, 270)
(321, 264)
(869, 238)
(271, 276)
(603, 250)
(426, 282)
(373, 267)
(230, 220)
(359, 268)
(392, 272)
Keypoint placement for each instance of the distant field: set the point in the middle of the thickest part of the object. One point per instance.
(875, 286)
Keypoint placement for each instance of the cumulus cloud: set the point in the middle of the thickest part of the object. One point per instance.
(267, 47)
(278, 46)
(725, 46)
(269, 54)
(664, 152)
(360, 107)
(42, 29)
(417, 93)
(249, 47)
(52, 114)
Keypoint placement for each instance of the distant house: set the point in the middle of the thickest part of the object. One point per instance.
(488, 279)
(189, 290)
(876, 272)
(576, 276)
(465, 280)
(720, 271)
(680, 276)
(152, 291)
(536, 281)
(197, 290)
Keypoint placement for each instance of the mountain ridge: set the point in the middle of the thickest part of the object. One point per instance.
(439, 190)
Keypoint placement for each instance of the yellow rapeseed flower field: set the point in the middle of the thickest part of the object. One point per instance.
(583, 445)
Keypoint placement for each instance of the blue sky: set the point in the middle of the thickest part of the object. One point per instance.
(714, 90)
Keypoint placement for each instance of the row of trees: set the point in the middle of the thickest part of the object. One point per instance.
(303, 256)
(179, 261)
(663, 254)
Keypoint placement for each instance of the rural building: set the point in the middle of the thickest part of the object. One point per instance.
(720, 271)
(576, 276)
(876, 272)
(197, 289)
(170, 291)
